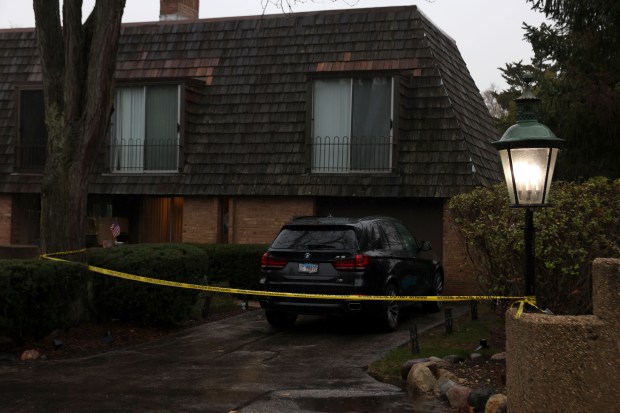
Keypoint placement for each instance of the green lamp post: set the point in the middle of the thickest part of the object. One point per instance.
(528, 151)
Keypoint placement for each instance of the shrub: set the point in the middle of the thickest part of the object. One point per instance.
(37, 297)
(582, 224)
(144, 303)
(237, 264)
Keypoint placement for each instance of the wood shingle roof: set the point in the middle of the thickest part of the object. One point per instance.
(247, 100)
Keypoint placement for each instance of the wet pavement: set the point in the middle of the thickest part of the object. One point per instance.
(238, 364)
(343, 401)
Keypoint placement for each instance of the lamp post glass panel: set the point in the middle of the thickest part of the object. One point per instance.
(528, 173)
(528, 151)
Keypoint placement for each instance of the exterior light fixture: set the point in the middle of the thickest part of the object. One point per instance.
(528, 151)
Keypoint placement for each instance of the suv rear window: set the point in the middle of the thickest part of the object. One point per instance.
(316, 238)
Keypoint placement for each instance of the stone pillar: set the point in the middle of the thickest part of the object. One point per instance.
(567, 363)
(606, 289)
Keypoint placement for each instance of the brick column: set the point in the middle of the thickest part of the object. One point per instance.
(6, 215)
(458, 268)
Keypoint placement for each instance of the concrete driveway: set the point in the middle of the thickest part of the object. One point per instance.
(237, 364)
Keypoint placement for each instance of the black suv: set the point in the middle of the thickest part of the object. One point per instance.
(347, 256)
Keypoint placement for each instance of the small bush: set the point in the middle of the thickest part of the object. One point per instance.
(37, 297)
(144, 303)
(582, 224)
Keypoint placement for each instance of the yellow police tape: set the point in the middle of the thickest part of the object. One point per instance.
(523, 301)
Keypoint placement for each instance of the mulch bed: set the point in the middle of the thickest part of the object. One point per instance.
(94, 338)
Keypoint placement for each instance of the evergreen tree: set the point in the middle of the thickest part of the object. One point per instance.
(576, 65)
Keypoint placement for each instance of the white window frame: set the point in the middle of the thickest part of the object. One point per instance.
(127, 154)
(340, 155)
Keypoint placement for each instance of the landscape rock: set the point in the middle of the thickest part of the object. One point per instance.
(431, 365)
(497, 403)
(478, 398)
(443, 373)
(499, 356)
(421, 378)
(30, 355)
(406, 367)
(425, 375)
(476, 358)
(457, 397)
(439, 361)
(57, 343)
(443, 385)
(454, 359)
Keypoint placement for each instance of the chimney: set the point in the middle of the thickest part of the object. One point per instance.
(178, 9)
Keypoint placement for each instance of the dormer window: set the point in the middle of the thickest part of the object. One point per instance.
(146, 129)
(352, 125)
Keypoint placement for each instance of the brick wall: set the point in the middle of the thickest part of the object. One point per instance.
(257, 220)
(201, 219)
(6, 212)
(458, 268)
(252, 220)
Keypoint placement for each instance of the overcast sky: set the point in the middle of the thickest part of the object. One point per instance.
(488, 32)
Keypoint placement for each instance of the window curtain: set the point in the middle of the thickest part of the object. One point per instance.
(372, 113)
(128, 154)
(332, 125)
(162, 128)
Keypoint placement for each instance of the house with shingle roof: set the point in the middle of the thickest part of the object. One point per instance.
(224, 129)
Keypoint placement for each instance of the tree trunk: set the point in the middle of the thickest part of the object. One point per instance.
(78, 62)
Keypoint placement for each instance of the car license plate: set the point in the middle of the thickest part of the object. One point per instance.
(308, 268)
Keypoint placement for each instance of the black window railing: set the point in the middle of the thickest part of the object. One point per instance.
(137, 155)
(352, 154)
(31, 156)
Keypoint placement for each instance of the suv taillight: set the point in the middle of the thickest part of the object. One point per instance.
(360, 262)
(268, 263)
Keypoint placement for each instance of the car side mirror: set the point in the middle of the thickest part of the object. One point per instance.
(426, 246)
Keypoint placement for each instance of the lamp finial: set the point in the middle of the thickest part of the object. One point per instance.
(527, 103)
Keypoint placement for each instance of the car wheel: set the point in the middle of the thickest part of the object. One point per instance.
(437, 290)
(280, 319)
(390, 310)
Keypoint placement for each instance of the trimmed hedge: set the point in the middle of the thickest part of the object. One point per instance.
(37, 297)
(144, 303)
(237, 264)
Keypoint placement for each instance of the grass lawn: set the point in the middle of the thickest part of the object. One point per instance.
(464, 339)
